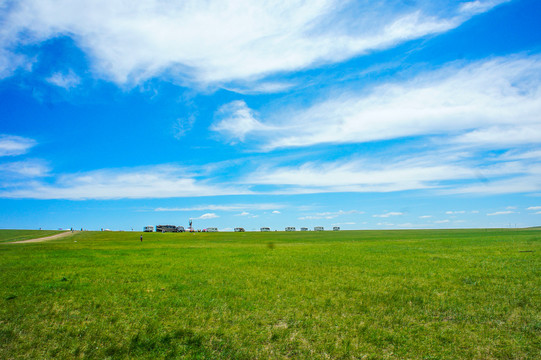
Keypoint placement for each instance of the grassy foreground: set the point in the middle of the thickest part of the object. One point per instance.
(18, 235)
(432, 294)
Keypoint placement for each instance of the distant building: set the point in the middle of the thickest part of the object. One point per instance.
(239, 230)
(180, 229)
(290, 228)
(148, 229)
(212, 229)
(264, 229)
(166, 228)
(336, 228)
(304, 229)
(319, 228)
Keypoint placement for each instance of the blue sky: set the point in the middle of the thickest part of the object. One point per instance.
(363, 115)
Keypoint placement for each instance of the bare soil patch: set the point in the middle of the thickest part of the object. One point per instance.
(42, 239)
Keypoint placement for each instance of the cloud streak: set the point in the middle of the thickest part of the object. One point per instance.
(150, 182)
(492, 102)
(442, 172)
(207, 216)
(215, 42)
(388, 214)
(11, 145)
(228, 207)
(67, 80)
(507, 212)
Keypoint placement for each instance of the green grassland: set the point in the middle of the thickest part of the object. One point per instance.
(18, 235)
(430, 294)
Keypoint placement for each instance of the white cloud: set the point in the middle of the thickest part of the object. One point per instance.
(455, 212)
(330, 215)
(441, 221)
(227, 207)
(235, 120)
(388, 214)
(361, 175)
(534, 208)
(207, 216)
(216, 41)
(309, 217)
(244, 213)
(183, 125)
(425, 216)
(15, 145)
(502, 136)
(24, 169)
(276, 212)
(149, 182)
(501, 213)
(64, 80)
(10, 62)
(528, 181)
(250, 88)
(352, 175)
(442, 171)
(492, 102)
(478, 6)
(521, 154)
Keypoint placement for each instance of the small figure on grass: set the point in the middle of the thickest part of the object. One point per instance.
(141, 238)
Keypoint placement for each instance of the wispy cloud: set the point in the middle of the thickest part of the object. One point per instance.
(330, 214)
(534, 208)
(388, 214)
(442, 221)
(207, 216)
(492, 102)
(182, 126)
(309, 217)
(228, 207)
(507, 212)
(67, 80)
(10, 62)
(11, 145)
(215, 41)
(527, 180)
(148, 182)
(437, 170)
(24, 169)
(235, 120)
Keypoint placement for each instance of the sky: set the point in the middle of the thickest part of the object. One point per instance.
(357, 114)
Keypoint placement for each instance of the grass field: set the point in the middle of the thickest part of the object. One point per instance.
(431, 294)
(18, 235)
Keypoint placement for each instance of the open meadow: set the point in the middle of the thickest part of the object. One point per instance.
(417, 294)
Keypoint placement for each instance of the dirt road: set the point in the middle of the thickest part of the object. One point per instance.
(47, 238)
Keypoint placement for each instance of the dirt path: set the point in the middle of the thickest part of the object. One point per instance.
(46, 238)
